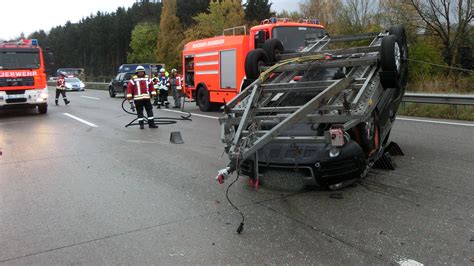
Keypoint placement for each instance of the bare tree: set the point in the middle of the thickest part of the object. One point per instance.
(447, 19)
(359, 13)
(324, 10)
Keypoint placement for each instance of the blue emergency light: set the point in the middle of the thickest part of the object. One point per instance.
(34, 42)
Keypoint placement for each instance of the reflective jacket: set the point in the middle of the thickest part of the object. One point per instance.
(163, 82)
(175, 82)
(60, 83)
(140, 88)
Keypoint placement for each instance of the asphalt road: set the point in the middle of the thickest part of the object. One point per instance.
(100, 193)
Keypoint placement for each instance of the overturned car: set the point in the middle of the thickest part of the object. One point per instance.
(325, 112)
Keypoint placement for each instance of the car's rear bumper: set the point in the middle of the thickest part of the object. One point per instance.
(314, 161)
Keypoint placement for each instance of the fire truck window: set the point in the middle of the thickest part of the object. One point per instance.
(19, 60)
(295, 38)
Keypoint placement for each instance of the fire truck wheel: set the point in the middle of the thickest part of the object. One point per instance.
(203, 99)
(390, 60)
(112, 92)
(43, 109)
(254, 60)
(273, 47)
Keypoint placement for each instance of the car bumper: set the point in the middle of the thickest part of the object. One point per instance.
(318, 167)
(24, 98)
(74, 89)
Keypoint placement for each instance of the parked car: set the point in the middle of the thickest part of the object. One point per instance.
(53, 79)
(74, 84)
(119, 84)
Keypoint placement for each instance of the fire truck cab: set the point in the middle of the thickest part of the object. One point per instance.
(22, 76)
(214, 68)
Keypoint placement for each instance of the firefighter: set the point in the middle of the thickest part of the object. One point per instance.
(60, 89)
(164, 84)
(176, 87)
(156, 86)
(140, 88)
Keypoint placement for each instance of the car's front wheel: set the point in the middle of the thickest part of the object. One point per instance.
(111, 92)
(43, 109)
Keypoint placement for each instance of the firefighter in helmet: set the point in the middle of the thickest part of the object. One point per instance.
(61, 89)
(156, 86)
(176, 88)
(164, 84)
(140, 89)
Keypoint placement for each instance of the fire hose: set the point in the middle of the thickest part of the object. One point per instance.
(158, 120)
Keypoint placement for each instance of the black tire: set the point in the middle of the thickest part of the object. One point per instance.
(399, 31)
(112, 92)
(43, 109)
(390, 62)
(204, 99)
(368, 135)
(273, 47)
(254, 60)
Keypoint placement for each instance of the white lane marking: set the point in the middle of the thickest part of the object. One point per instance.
(13, 122)
(81, 120)
(409, 262)
(90, 97)
(206, 116)
(435, 122)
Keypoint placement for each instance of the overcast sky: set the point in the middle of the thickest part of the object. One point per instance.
(28, 16)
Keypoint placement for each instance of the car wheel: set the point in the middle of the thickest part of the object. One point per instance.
(112, 92)
(125, 92)
(399, 31)
(43, 109)
(204, 100)
(391, 54)
(254, 60)
(367, 134)
(273, 47)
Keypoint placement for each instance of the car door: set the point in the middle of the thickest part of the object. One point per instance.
(124, 83)
(118, 82)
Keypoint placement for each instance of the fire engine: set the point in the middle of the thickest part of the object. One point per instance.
(215, 69)
(22, 76)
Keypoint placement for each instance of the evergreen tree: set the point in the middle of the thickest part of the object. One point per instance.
(258, 10)
(188, 9)
(170, 36)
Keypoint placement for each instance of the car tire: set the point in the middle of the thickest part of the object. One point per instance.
(368, 135)
(273, 47)
(399, 31)
(43, 109)
(253, 61)
(390, 61)
(204, 99)
(112, 92)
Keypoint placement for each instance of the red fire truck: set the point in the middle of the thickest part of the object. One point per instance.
(22, 76)
(215, 69)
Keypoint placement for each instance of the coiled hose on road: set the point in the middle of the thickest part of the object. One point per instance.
(159, 120)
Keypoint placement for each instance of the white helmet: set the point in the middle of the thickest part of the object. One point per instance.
(174, 70)
(140, 69)
(162, 70)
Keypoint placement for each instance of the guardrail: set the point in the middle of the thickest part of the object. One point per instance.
(453, 99)
(410, 97)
